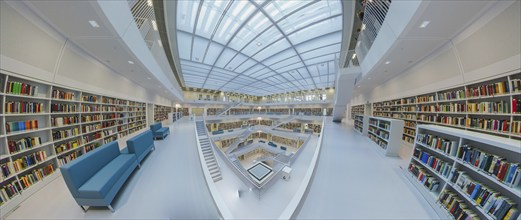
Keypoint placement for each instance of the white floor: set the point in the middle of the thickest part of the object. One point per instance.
(352, 181)
(169, 185)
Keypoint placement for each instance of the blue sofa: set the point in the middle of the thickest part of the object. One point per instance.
(158, 131)
(217, 132)
(141, 145)
(95, 178)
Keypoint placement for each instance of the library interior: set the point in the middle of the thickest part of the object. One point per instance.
(260, 109)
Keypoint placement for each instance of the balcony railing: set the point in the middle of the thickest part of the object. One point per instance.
(374, 16)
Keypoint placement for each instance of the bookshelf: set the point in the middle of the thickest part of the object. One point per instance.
(386, 133)
(44, 126)
(475, 169)
(357, 110)
(161, 112)
(491, 106)
(361, 124)
(309, 111)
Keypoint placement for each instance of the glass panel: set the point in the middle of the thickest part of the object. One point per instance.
(210, 13)
(281, 8)
(335, 37)
(213, 53)
(200, 45)
(285, 63)
(324, 27)
(184, 42)
(253, 69)
(273, 49)
(186, 13)
(280, 57)
(290, 67)
(321, 51)
(238, 60)
(268, 37)
(249, 63)
(320, 59)
(226, 56)
(317, 12)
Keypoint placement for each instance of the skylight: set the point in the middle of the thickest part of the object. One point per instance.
(259, 47)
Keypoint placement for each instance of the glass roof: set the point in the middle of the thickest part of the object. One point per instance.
(259, 47)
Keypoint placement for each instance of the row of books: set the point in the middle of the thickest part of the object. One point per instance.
(109, 139)
(57, 94)
(90, 108)
(90, 128)
(107, 124)
(427, 108)
(19, 88)
(491, 89)
(92, 137)
(506, 172)
(90, 118)
(89, 98)
(67, 146)
(378, 141)
(516, 85)
(447, 146)
(36, 176)
(29, 160)
(451, 95)
(112, 109)
(516, 105)
(456, 206)
(63, 107)
(489, 107)
(437, 164)
(490, 201)
(426, 98)
(9, 191)
(61, 134)
(431, 183)
(516, 127)
(112, 116)
(23, 144)
(410, 124)
(7, 169)
(66, 120)
(92, 146)
(113, 101)
(407, 139)
(23, 107)
(21, 125)
(62, 160)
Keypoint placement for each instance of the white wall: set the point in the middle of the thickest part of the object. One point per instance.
(488, 48)
(32, 48)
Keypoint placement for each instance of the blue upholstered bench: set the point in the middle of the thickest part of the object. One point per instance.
(261, 141)
(272, 144)
(158, 131)
(141, 145)
(282, 148)
(217, 132)
(95, 178)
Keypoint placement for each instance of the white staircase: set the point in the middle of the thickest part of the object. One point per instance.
(233, 105)
(242, 137)
(284, 121)
(209, 156)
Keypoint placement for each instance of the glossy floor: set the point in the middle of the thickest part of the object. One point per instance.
(352, 181)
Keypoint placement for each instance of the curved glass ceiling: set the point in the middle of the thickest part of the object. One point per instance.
(259, 47)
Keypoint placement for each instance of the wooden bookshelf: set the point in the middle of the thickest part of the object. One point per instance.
(357, 110)
(51, 125)
(386, 133)
(453, 162)
(490, 106)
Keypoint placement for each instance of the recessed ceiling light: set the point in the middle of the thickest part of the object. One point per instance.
(363, 27)
(94, 24)
(354, 56)
(131, 62)
(259, 44)
(369, 78)
(149, 3)
(149, 78)
(160, 43)
(424, 24)
(358, 86)
(387, 62)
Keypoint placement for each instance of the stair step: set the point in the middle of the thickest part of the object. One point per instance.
(217, 178)
(214, 172)
(211, 163)
(212, 160)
